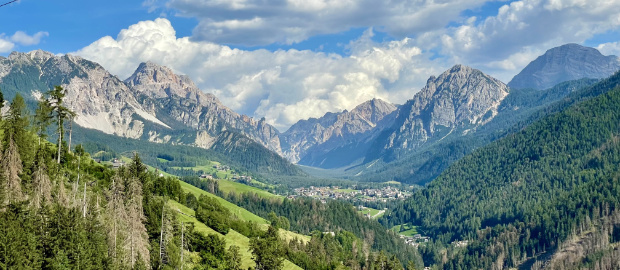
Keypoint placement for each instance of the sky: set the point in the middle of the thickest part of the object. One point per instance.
(287, 60)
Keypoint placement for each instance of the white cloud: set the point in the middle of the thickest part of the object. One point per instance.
(292, 21)
(22, 38)
(287, 85)
(5, 45)
(522, 30)
(282, 86)
(610, 48)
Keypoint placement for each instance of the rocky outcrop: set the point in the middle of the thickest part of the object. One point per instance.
(101, 100)
(315, 136)
(457, 101)
(178, 98)
(565, 63)
(153, 104)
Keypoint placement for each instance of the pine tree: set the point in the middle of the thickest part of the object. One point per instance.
(59, 112)
(137, 237)
(267, 251)
(15, 128)
(233, 258)
(14, 142)
(12, 168)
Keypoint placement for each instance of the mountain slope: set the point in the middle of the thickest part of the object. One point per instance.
(520, 108)
(177, 99)
(154, 104)
(309, 142)
(528, 192)
(457, 101)
(565, 63)
(100, 99)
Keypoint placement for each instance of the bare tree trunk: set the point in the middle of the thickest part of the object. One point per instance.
(84, 202)
(161, 235)
(59, 138)
(182, 245)
(70, 132)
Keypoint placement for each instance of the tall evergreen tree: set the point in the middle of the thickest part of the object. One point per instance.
(267, 251)
(59, 112)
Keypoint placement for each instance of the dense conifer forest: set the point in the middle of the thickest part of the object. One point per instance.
(531, 194)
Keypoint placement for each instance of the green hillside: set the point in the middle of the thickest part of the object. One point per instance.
(232, 237)
(528, 193)
(236, 210)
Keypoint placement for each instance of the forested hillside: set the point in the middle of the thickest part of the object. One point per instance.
(59, 209)
(309, 216)
(520, 108)
(530, 194)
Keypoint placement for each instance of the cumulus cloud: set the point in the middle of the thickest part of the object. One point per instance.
(22, 38)
(287, 85)
(8, 43)
(522, 30)
(292, 21)
(5, 45)
(610, 48)
(282, 86)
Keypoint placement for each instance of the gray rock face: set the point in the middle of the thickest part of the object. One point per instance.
(458, 100)
(565, 63)
(177, 97)
(334, 129)
(153, 94)
(101, 100)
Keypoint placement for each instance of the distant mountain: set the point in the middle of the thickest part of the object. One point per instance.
(545, 195)
(565, 63)
(457, 102)
(177, 98)
(154, 104)
(309, 142)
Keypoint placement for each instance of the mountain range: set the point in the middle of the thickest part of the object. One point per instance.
(155, 104)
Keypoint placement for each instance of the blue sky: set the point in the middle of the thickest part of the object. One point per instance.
(287, 60)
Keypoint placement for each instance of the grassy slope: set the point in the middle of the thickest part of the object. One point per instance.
(236, 210)
(411, 232)
(227, 186)
(232, 238)
(370, 211)
(242, 213)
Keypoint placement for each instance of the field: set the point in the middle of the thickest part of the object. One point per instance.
(409, 230)
(208, 169)
(371, 211)
(227, 186)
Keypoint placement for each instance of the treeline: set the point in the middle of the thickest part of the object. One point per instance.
(526, 194)
(250, 159)
(308, 216)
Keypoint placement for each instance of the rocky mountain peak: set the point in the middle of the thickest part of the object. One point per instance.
(320, 135)
(38, 56)
(374, 110)
(459, 99)
(161, 82)
(565, 63)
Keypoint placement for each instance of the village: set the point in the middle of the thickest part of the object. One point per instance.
(364, 195)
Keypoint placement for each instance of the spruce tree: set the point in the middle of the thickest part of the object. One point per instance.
(58, 112)
(137, 237)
